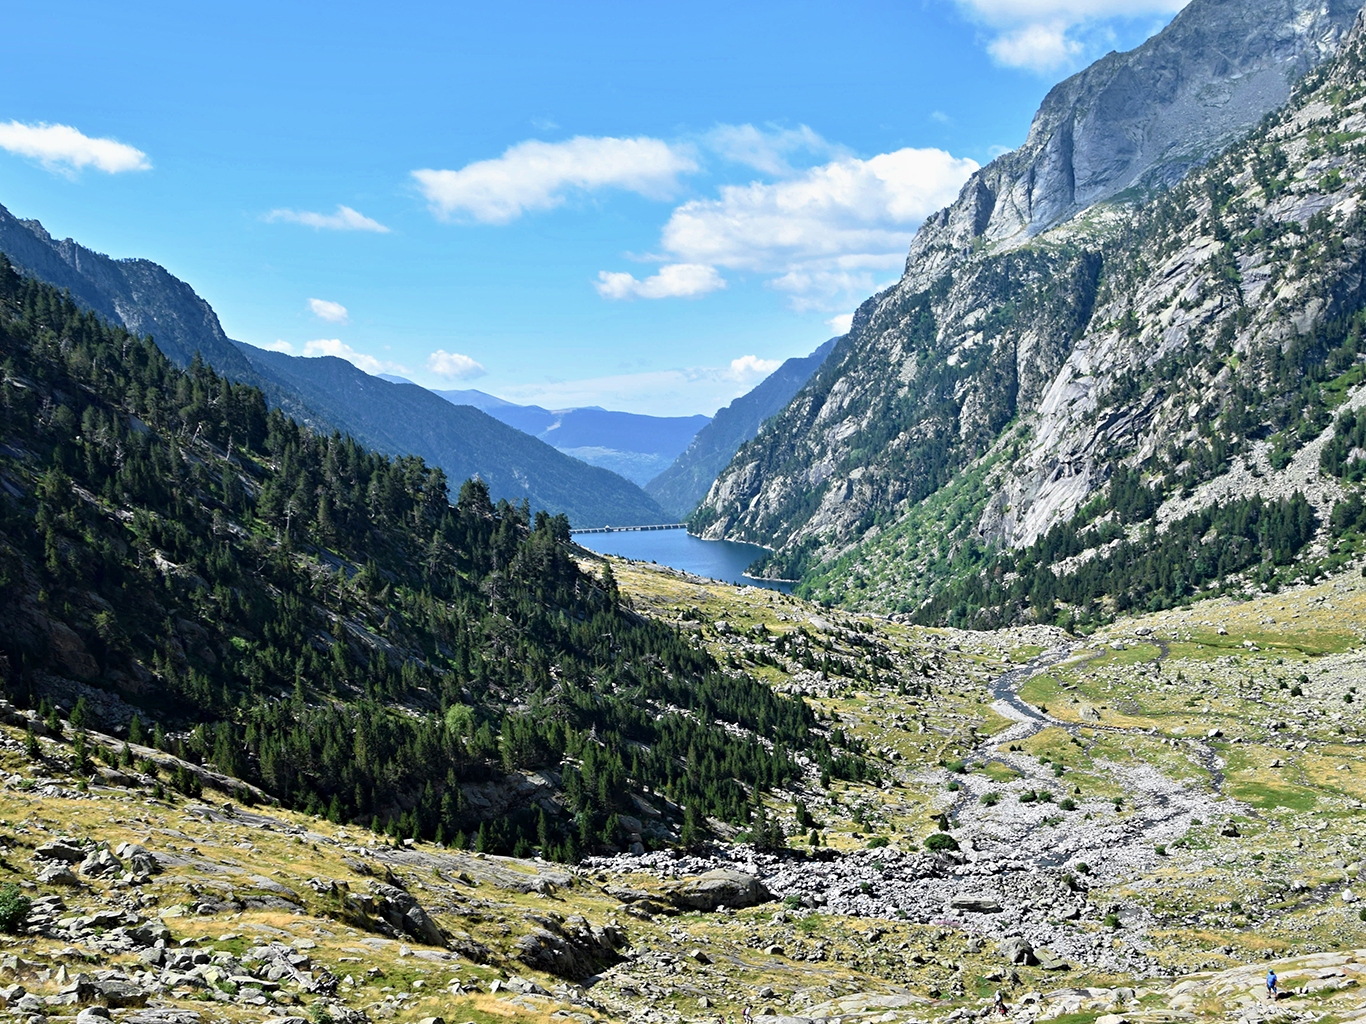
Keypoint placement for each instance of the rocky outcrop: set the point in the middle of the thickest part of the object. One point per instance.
(719, 888)
(1003, 380)
(570, 947)
(1138, 120)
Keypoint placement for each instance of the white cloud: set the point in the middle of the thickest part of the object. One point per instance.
(345, 219)
(749, 367)
(1043, 35)
(536, 175)
(823, 231)
(841, 324)
(766, 151)
(335, 347)
(280, 346)
(65, 150)
(684, 391)
(332, 312)
(1037, 47)
(940, 117)
(454, 365)
(674, 281)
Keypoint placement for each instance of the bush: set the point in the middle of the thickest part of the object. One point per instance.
(877, 842)
(792, 902)
(1161, 850)
(14, 907)
(1083, 868)
(1067, 804)
(940, 842)
(955, 786)
(991, 799)
(1111, 921)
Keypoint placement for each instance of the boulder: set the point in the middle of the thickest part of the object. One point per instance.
(1017, 951)
(99, 863)
(975, 905)
(571, 949)
(58, 874)
(719, 888)
(63, 849)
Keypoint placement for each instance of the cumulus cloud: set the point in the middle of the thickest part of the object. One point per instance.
(674, 281)
(683, 391)
(280, 346)
(766, 150)
(332, 312)
(536, 175)
(824, 232)
(64, 150)
(749, 367)
(344, 219)
(841, 324)
(1037, 47)
(454, 365)
(1043, 35)
(338, 348)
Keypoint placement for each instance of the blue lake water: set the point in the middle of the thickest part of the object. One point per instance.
(719, 559)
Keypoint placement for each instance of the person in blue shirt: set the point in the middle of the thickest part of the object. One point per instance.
(1271, 983)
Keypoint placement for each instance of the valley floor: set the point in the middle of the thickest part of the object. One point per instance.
(1145, 819)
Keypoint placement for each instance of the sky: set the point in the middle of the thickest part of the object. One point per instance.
(644, 207)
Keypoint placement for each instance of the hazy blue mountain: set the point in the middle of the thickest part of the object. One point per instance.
(637, 447)
(330, 394)
(680, 487)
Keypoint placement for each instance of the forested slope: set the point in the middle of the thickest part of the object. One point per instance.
(315, 618)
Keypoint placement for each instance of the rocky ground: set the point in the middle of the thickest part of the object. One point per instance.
(1144, 820)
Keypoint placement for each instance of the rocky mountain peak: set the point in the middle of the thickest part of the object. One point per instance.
(1138, 120)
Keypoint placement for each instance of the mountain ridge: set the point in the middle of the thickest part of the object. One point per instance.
(147, 299)
(981, 410)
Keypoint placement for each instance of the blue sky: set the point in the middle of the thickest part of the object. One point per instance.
(639, 206)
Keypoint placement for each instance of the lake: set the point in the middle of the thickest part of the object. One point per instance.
(718, 559)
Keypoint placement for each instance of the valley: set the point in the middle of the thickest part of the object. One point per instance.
(1120, 850)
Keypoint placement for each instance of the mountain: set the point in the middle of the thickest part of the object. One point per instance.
(1043, 426)
(174, 553)
(680, 487)
(1136, 121)
(327, 393)
(463, 441)
(633, 445)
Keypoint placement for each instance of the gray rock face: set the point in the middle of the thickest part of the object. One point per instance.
(1017, 355)
(571, 948)
(720, 888)
(1139, 119)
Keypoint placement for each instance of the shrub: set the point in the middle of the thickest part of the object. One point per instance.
(1161, 850)
(991, 799)
(1083, 868)
(877, 842)
(941, 841)
(955, 786)
(1067, 804)
(1028, 796)
(1111, 921)
(792, 902)
(14, 907)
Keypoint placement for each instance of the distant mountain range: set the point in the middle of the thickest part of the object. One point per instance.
(636, 446)
(327, 393)
(680, 487)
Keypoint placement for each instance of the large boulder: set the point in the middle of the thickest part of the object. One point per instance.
(719, 888)
(571, 949)
(1017, 951)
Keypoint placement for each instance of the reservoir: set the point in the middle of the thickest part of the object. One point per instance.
(719, 559)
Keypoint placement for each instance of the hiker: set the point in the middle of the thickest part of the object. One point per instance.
(999, 1003)
(746, 1014)
(1271, 984)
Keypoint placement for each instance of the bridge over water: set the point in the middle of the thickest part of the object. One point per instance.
(630, 529)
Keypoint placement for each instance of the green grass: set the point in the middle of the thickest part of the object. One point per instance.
(1267, 797)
